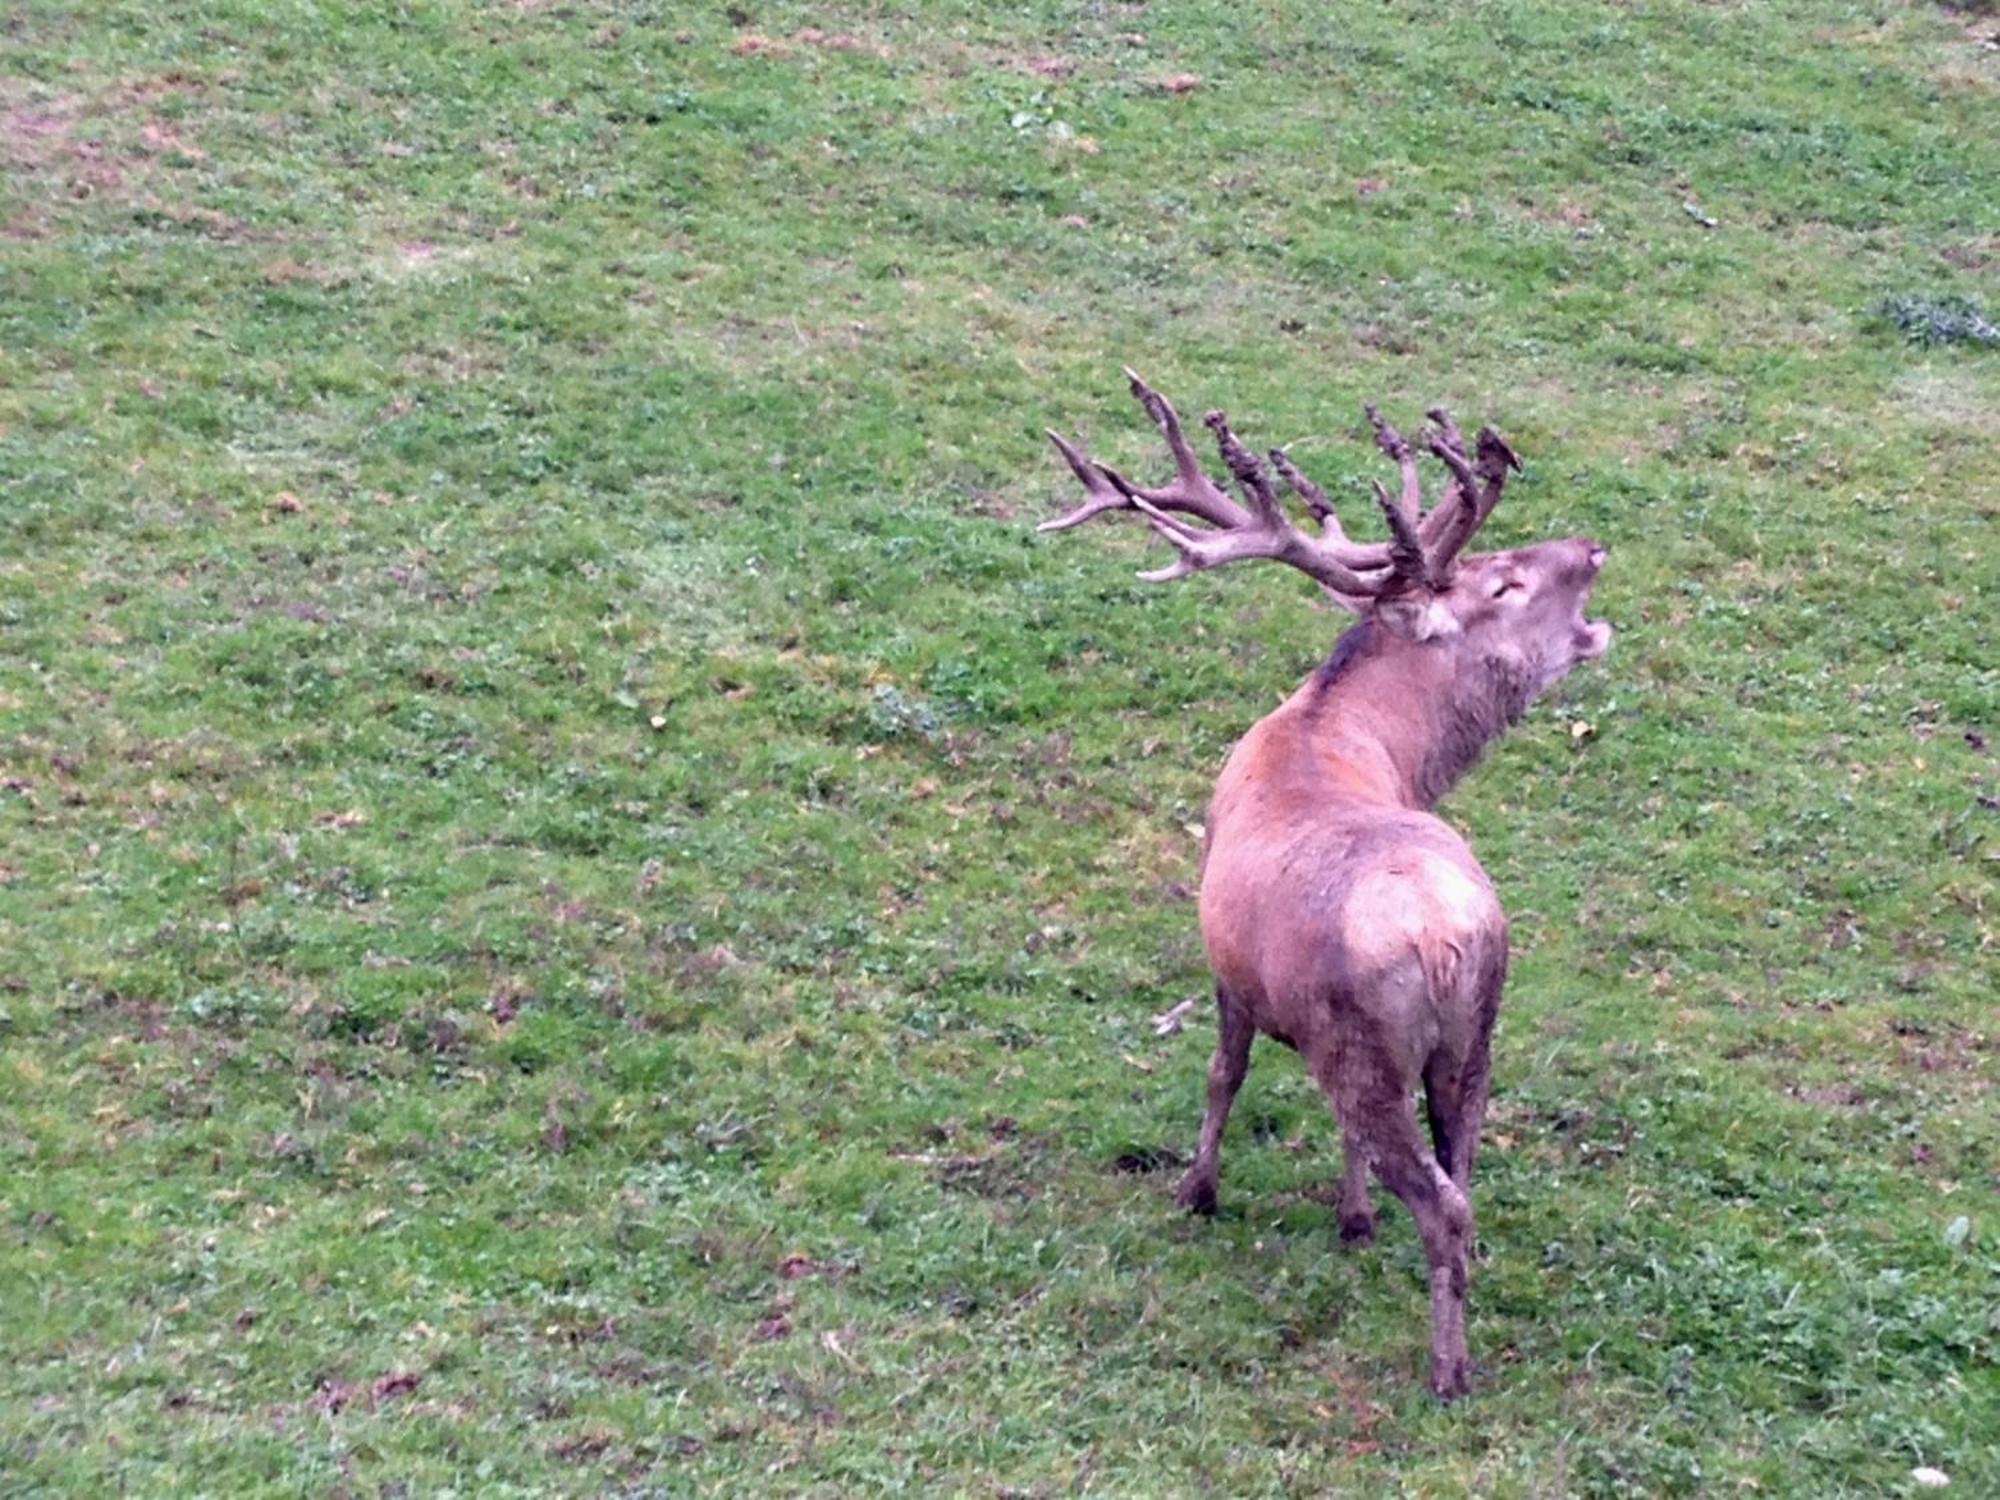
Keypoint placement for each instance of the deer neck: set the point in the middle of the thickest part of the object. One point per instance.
(1399, 723)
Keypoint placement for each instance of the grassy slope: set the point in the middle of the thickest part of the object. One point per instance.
(635, 895)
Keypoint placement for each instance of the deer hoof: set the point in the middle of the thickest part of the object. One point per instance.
(1449, 1382)
(1357, 1230)
(1197, 1195)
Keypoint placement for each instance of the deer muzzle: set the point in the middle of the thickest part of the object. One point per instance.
(1593, 637)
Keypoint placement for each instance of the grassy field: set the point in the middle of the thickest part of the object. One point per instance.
(581, 898)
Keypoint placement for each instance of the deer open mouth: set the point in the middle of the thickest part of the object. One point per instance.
(1593, 637)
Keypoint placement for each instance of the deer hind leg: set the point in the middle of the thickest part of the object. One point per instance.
(1371, 1097)
(1455, 1084)
(1356, 1210)
(1455, 1100)
(1235, 1032)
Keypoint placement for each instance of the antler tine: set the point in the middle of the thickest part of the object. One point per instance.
(1179, 533)
(1392, 443)
(1495, 459)
(1190, 489)
(1443, 517)
(1406, 549)
(1447, 429)
(1450, 526)
(1476, 489)
(1264, 499)
(1100, 494)
(1242, 463)
(1312, 494)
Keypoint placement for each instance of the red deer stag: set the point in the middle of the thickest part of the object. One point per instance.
(1340, 916)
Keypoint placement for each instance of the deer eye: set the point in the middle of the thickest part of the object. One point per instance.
(1500, 586)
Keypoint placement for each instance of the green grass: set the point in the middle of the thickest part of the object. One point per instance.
(580, 897)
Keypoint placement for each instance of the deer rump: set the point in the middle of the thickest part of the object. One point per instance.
(1342, 917)
(1379, 926)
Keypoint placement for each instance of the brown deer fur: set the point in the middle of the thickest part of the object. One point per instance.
(1340, 916)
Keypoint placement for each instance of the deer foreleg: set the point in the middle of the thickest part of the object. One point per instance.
(1225, 1076)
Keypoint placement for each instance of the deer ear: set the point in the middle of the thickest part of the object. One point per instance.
(1417, 618)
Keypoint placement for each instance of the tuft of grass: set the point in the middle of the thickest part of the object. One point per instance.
(1938, 320)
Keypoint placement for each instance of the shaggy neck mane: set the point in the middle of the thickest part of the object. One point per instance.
(1422, 716)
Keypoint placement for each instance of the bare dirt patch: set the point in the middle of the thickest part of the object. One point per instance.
(1940, 396)
(757, 44)
(37, 126)
(112, 140)
(1975, 254)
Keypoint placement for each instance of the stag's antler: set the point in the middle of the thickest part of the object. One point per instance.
(1266, 532)
(1419, 554)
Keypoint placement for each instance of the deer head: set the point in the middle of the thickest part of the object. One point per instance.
(1516, 614)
